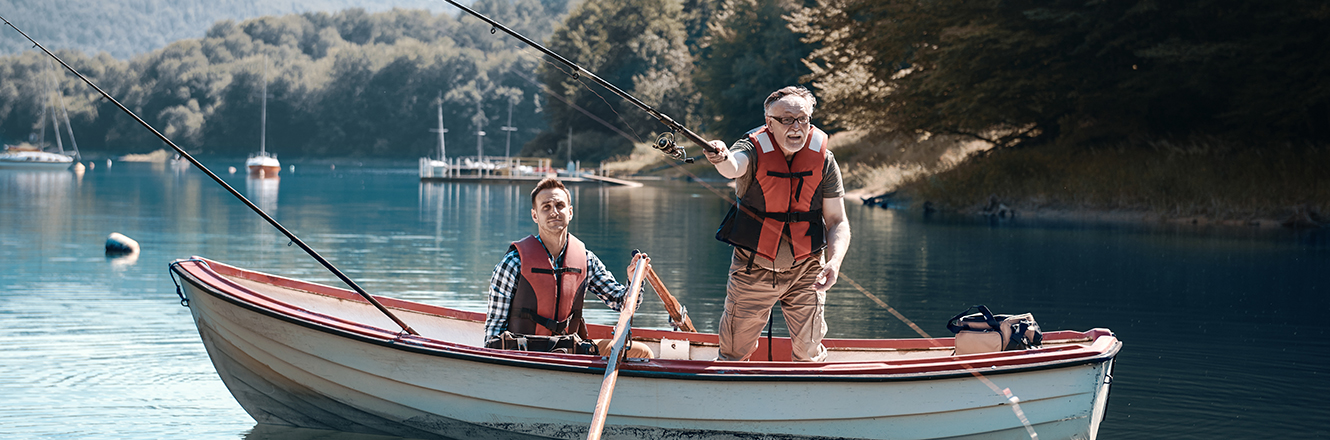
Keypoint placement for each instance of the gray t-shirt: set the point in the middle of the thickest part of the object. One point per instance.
(831, 187)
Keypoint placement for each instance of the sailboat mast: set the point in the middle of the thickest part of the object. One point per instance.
(65, 111)
(55, 119)
(263, 114)
(442, 153)
(55, 128)
(508, 148)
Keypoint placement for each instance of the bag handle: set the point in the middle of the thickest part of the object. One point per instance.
(954, 323)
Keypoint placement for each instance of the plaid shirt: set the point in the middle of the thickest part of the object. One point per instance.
(503, 285)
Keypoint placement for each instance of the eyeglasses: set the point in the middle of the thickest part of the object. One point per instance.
(786, 121)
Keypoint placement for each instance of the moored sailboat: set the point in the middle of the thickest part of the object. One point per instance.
(29, 156)
(263, 164)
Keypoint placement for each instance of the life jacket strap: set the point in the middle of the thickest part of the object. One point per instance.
(555, 327)
(558, 271)
(799, 190)
(791, 217)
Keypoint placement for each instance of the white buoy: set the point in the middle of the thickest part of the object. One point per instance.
(92, 165)
(293, 168)
(333, 167)
(117, 243)
(78, 167)
(231, 169)
(108, 163)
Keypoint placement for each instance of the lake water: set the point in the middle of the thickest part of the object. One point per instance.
(1222, 327)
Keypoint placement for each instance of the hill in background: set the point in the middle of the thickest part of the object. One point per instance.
(125, 28)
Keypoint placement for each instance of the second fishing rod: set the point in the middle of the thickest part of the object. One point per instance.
(665, 143)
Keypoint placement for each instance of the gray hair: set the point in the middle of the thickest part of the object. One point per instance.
(799, 91)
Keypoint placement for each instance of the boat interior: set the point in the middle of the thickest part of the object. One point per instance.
(467, 328)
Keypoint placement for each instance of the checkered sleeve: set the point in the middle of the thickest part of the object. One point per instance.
(602, 283)
(503, 285)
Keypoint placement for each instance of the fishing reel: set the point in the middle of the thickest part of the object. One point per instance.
(665, 143)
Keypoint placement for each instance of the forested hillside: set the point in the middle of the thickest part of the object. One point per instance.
(1072, 74)
(124, 28)
(344, 84)
(1075, 72)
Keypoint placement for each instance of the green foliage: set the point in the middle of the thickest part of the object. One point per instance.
(636, 45)
(127, 28)
(1032, 71)
(1205, 177)
(345, 84)
(748, 51)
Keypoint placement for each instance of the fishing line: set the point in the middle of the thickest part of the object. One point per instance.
(610, 106)
(219, 181)
(723, 195)
(669, 148)
(579, 108)
(1004, 392)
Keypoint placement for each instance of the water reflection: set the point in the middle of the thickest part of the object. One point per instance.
(122, 262)
(263, 192)
(1218, 340)
(37, 185)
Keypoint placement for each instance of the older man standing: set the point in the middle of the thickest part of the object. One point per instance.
(787, 226)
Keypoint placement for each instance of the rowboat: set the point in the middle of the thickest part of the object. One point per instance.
(307, 355)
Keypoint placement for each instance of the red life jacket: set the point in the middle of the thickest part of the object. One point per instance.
(548, 301)
(782, 199)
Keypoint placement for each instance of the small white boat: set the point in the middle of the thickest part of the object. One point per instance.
(35, 157)
(307, 355)
(430, 168)
(263, 164)
(13, 158)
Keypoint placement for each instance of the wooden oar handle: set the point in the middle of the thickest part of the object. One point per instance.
(677, 313)
(621, 341)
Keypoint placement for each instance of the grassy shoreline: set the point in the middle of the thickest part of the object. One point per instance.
(1195, 181)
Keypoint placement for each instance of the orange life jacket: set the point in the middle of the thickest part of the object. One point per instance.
(783, 199)
(548, 300)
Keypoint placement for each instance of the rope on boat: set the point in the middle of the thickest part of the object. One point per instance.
(170, 271)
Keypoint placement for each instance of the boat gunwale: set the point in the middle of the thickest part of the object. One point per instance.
(942, 367)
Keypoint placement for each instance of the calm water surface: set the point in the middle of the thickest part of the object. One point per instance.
(1224, 328)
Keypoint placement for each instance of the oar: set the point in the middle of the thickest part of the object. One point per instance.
(678, 314)
(620, 341)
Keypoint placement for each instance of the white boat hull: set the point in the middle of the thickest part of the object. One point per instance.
(263, 165)
(289, 369)
(34, 160)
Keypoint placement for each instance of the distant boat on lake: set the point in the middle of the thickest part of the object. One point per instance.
(431, 167)
(263, 163)
(26, 156)
(30, 156)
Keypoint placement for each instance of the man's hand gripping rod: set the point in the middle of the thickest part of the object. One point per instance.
(665, 143)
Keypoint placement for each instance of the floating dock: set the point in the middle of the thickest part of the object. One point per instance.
(513, 169)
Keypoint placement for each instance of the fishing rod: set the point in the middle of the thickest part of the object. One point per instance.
(219, 181)
(665, 143)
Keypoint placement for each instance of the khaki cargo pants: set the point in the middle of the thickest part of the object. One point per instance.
(751, 292)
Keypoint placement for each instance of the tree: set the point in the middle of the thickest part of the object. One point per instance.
(636, 45)
(748, 51)
(1016, 73)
